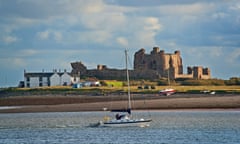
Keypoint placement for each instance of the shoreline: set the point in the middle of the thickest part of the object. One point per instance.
(54, 103)
(7, 110)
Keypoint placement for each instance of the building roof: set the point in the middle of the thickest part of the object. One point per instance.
(43, 74)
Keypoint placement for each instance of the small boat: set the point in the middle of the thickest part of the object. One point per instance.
(125, 118)
(167, 91)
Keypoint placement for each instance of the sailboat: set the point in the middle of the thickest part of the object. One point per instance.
(126, 119)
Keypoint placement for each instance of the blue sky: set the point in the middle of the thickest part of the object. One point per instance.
(47, 34)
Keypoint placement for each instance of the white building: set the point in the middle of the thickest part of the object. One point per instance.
(41, 79)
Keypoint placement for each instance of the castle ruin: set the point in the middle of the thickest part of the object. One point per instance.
(166, 65)
(155, 65)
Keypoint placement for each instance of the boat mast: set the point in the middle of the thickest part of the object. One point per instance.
(168, 77)
(128, 83)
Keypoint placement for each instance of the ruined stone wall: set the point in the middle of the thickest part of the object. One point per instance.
(198, 72)
(116, 74)
(107, 74)
(78, 68)
(159, 61)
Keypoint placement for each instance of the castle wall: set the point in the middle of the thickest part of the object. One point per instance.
(198, 72)
(155, 65)
(186, 76)
(107, 74)
(110, 74)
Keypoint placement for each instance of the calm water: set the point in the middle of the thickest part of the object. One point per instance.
(168, 127)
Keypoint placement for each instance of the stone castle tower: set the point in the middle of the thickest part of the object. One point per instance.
(164, 63)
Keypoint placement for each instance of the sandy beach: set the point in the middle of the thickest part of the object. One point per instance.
(55, 103)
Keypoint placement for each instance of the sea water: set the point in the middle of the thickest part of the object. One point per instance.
(167, 127)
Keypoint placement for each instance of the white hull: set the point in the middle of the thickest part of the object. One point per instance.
(126, 123)
(167, 92)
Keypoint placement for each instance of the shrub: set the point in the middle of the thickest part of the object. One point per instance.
(193, 82)
(233, 81)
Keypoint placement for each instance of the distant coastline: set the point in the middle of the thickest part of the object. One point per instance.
(59, 103)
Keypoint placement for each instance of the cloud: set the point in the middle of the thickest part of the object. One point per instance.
(47, 34)
(43, 35)
(235, 7)
(9, 39)
(122, 41)
(28, 52)
(99, 22)
(149, 3)
(234, 57)
(12, 63)
(18, 62)
(152, 24)
(57, 36)
(93, 6)
(21, 54)
(96, 36)
(143, 31)
(186, 9)
(216, 52)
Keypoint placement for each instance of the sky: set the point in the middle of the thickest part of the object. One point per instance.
(46, 34)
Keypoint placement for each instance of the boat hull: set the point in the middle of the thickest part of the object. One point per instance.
(167, 92)
(126, 123)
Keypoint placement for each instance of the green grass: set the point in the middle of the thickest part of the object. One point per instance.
(67, 90)
(114, 83)
(192, 89)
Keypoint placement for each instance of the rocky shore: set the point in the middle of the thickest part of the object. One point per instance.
(59, 103)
